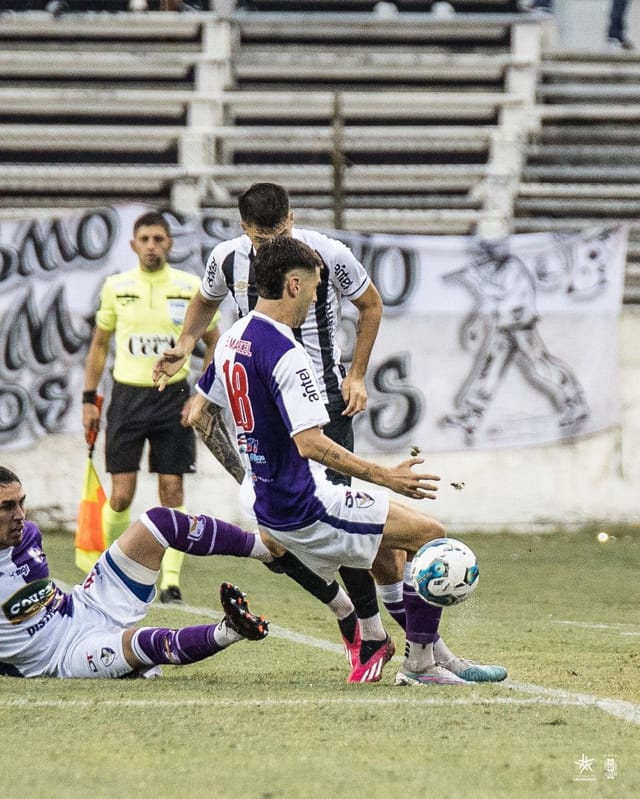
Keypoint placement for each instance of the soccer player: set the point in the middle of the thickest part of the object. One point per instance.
(94, 630)
(264, 213)
(144, 308)
(266, 378)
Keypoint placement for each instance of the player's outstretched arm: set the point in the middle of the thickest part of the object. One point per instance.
(401, 479)
(198, 316)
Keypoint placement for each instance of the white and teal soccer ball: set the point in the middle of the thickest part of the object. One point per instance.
(444, 572)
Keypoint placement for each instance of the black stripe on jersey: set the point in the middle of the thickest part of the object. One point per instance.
(227, 270)
(252, 291)
(322, 311)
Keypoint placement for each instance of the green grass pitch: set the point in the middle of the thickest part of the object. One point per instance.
(275, 719)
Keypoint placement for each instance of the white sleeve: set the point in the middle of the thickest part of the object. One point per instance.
(213, 285)
(346, 272)
(300, 394)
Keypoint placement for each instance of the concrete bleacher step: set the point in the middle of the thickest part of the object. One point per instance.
(350, 6)
(581, 153)
(591, 207)
(21, 138)
(464, 31)
(317, 179)
(324, 65)
(588, 133)
(374, 106)
(150, 179)
(104, 30)
(30, 64)
(592, 174)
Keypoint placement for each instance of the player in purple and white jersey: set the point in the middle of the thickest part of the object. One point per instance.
(93, 630)
(264, 213)
(267, 380)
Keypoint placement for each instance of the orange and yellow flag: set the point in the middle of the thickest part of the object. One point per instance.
(89, 539)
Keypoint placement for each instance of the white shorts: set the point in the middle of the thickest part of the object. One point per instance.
(104, 606)
(348, 534)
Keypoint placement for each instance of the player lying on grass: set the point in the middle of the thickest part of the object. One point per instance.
(267, 380)
(93, 630)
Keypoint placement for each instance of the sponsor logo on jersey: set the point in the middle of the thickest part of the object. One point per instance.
(30, 600)
(150, 345)
(196, 528)
(210, 272)
(360, 499)
(364, 500)
(309, 388)
(343, 278)
(177, 309)
(107, 655)
(252, 446)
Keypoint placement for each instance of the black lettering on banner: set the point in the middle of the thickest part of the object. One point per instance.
(28, 337)
(393, 271)
(47, 246)
(9, 262)
(403, 407)
(52, 401)
(96, 234)
(14, 404)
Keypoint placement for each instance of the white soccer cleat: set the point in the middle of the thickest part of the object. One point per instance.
(435, 675)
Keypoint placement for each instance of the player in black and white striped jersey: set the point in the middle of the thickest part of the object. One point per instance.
(265, 213)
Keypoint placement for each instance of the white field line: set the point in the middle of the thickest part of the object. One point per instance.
(412, 700)
(618, 708)
(621, 629)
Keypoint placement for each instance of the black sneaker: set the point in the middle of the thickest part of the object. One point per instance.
(171, 594)
(238, 616)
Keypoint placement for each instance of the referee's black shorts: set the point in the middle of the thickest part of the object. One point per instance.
(137, 414)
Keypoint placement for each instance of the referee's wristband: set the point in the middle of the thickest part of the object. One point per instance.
(89, 397)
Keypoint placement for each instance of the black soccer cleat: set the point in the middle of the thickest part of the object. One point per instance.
(238, 616)
(171, 595)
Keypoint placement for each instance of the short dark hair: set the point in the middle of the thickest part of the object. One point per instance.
(264, 205)
(7, 476)
(151, 218)
(276, 258)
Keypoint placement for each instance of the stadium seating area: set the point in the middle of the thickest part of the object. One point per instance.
(375, 119)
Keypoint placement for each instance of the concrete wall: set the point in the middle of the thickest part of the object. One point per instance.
(524, 489)
(582, 24)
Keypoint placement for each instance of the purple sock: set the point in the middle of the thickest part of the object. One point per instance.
(159, 645)
(198, 535)
(397, 612)
(422, 619)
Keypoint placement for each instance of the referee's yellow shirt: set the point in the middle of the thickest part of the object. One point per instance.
(145, 311)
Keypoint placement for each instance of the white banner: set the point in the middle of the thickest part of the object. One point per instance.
(482, 345)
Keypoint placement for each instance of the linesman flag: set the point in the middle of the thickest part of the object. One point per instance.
(89, 538)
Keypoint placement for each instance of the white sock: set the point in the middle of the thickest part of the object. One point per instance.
(341, 605)
(389, 594)
(372, 629)
(442, 653)
(225, 635)
(259, 550)
(419, 658)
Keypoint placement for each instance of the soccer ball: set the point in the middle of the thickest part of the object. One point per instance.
(444, 572)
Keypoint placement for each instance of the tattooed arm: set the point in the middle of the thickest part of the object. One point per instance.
(206, 419)
(314, 445)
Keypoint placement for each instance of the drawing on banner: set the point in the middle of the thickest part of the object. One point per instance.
(504, 332)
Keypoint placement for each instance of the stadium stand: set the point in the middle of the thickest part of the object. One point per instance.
(398, 120)
(582, 166)
(186, 109)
